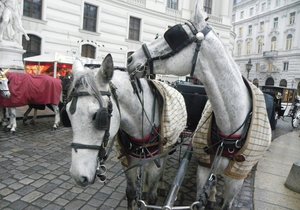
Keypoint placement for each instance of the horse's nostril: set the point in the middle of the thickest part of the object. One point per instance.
(129, 60)
(84, 180)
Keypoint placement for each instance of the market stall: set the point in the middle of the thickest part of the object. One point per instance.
(55, 65)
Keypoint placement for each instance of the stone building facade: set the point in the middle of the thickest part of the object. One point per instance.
(93, 28)
(268, 33)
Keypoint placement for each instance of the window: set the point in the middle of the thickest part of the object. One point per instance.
(172, 4)
(270, 81)
(292, 18)
(250, 30)
(248, 49)
(251, 11)
(270, 67)
(263, 6)
(273, 43)
(289, 40)
(242, 15)
(275, 23)
(134, 28)
(260, 45)
(33, 8)
(90, 17)
(257, 66)
(277, 3)
(240, 31)
(207, 6)
(262, 26)
(88, 51)
(32, 46)
(283, 83)
(239, 49)
(285, 66)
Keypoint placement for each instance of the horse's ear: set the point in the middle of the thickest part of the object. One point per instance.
(199, 15)
(107, 68)
(77, 66)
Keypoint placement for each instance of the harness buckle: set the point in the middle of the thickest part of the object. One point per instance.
(238, 144)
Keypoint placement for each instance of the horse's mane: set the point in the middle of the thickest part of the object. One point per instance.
(85, 79)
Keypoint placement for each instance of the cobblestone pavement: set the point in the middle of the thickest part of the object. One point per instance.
(34, 174)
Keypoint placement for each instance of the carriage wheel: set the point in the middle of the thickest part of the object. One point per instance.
(296, 119)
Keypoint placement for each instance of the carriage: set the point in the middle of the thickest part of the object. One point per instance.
(286, 103)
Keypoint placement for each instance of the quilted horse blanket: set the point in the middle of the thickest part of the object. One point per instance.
(257, 141)
(28, 89)
(174, 115)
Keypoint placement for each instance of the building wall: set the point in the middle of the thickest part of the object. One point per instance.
(268, 64)
(61, 25)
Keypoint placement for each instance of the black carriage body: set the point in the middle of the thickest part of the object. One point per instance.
(283, 98)
(195, 99)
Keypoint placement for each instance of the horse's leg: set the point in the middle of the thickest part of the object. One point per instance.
(25, 117)
(3, 117)
(12, 120)
(202, 175)
(154, 174)
(57, 116)
(231, 188)
(33, 120)
(131, 189)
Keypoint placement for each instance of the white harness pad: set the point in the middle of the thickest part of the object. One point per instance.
(174, 115)
(257, 142)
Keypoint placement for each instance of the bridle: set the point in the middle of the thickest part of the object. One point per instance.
(101, 120)
(177, 39)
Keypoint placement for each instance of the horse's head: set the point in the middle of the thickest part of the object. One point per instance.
(174, 52)
(93, 119)
(4, 89)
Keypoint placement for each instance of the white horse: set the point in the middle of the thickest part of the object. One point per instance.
(5, 93)
(21, 97)
(194, 48)
(96, 117)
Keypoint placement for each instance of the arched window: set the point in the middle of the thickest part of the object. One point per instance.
(289, 40)
(260, 45)
(256, 82)
(273, 43)
(283, 83)
(32, 46)
(239, 49)
(88, 51)
(270, 81)
(249, 45)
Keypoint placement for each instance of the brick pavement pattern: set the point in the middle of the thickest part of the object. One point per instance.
(34, 174)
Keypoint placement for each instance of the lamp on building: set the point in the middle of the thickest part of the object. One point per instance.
(248, 67)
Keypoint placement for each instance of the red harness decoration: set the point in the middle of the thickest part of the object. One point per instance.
(146, 147)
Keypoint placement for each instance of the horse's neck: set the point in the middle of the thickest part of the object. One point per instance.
(133, 122)
(224, 85)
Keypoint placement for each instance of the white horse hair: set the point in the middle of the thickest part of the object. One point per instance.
(223, 82)
(129, 118)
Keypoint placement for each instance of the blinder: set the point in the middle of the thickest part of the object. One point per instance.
(176, 37)
(102, 118)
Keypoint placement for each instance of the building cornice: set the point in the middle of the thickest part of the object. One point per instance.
(263, 15)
